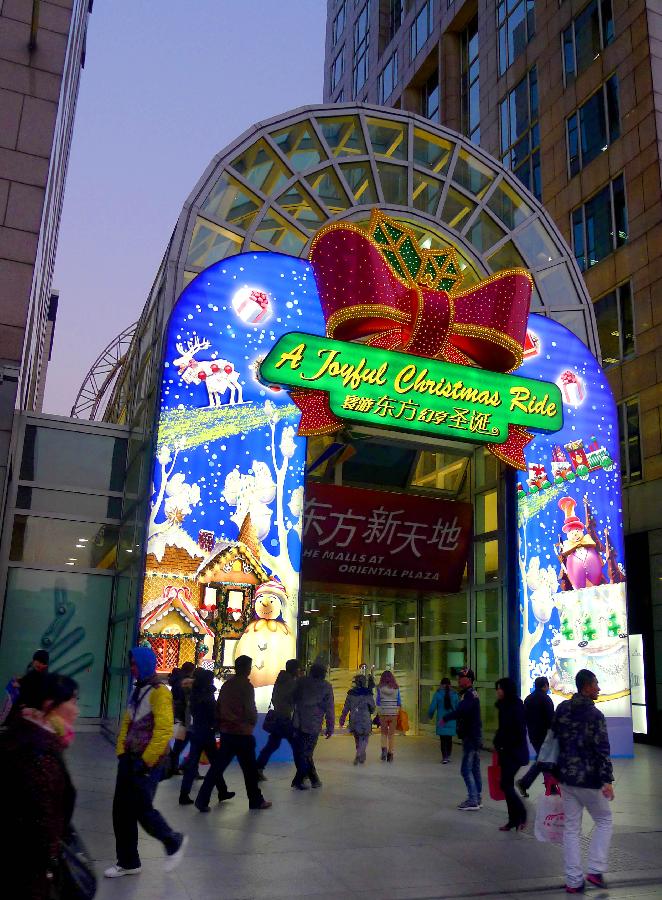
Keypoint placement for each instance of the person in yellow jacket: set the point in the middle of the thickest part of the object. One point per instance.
(142, 746)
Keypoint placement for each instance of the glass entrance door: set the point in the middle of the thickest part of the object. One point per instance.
(350, 633)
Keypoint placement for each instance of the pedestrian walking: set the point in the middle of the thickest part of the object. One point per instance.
(585, 772)
(203, 735)
(236, 716)
(539, 712)
(313, 706)
(444, 700)
(181, 685)
(470, 732)
(142, 749)
(512, 748)
(388, 707)
(360, 706)
(38, 797)
(38, 663)
(282, 700)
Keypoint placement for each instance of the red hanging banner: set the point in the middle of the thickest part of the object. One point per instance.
(356, 536)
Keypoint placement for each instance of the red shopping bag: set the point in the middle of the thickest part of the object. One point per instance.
(494, 778)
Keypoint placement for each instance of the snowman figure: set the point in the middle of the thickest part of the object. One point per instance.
(267, 639)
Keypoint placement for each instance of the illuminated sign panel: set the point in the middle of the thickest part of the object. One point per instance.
(366, 333)
(382, 387)
(572, 579)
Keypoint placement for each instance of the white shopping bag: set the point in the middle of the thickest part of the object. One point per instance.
(550, 819)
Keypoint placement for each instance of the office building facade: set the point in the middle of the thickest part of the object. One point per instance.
(566, 93)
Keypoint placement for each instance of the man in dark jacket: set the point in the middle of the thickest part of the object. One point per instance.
(282, 700)
(470, 731)
(539, 712)
(203, 735)
(236, 716)
(313, 705)
(585, 771)
(181, 706)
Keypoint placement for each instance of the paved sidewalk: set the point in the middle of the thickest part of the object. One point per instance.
(375, 831)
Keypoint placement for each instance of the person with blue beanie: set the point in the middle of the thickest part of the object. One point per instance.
(142, 747)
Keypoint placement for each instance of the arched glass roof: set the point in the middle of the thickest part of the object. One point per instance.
(285, 178)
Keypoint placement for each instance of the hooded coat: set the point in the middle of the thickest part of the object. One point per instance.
(313, 702)
(148, 721)
(360, 705)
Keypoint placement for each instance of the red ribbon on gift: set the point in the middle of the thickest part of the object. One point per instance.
(363, 299)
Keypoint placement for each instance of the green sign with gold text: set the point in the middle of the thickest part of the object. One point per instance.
(396, 390)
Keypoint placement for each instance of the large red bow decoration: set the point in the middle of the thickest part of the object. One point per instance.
(363, 299)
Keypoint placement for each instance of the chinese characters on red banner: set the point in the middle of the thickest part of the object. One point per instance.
(352, 535)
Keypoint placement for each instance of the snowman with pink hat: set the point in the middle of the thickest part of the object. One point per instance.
(267, 639)
(579, 553)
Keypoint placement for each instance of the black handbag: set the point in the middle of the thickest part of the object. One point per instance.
(78, 880)
(270, 723)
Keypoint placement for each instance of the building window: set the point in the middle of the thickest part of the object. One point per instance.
(613, 314)
(630, 439)
(586, 36)
(520, 133)
(421, 28)
(337, 69)
(361, 36)
(388, 78)
(594, 126)
(470, 87)
(600, 225)
(430, 97)
(517, 25)
(338, 24)
(395, 11)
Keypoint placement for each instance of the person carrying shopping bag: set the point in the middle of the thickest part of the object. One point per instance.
(585, 772)
(444, 700)
(388, 707)
(512, 748)
(360, 706)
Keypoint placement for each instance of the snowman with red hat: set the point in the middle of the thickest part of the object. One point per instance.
(579, 553)
(267, 639)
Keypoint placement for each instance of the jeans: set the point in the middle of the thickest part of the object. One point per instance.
(532, 772)
(575, 800)
(470, 771)
(446, 745)
(361, 743)
(304, 748)
(198, 745)
(516, 809)
(243, 747)
(274, 741)
(132, 805)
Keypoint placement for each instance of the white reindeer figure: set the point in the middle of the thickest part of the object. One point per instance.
(218, 375)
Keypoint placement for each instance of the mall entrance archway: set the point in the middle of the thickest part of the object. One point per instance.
(422, 635)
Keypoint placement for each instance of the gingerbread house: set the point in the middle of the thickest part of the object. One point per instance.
(228, 577)
(171, 564)
(176, 630)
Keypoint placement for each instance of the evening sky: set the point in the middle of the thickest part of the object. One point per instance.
(166, 86)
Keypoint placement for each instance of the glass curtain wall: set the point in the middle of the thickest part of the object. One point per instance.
(421, 636)
(61, 545)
